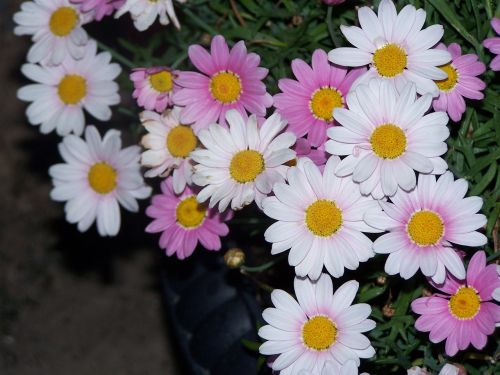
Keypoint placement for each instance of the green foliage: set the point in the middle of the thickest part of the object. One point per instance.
(280, 31)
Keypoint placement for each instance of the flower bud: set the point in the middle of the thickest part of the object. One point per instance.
(333, 2)
(234, 258)
(388, 311)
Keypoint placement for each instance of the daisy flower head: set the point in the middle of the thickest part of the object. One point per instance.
(463, 313)
(493, 44)
(335, 368)
(241, 164)
(229, 79)
(303, 149)
(395, 47)
(447, 369)
(97, 177)
(387, 137)
(424, 223)
(319, 327)
(154, 87)
(184, 222)
(62, 93)
(308, 102)
(98, 9)
(320, 219)
(56, 26)
(145, 12)
(462, 82)
(168, 144)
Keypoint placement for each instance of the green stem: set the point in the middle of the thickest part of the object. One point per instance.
(198, 21)
(260, 284)
(264, 266)
(329, 14)
(493, 257)
(117, 56)
(128, 112)
(180, 59)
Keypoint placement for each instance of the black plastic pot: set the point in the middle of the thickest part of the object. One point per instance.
(211, 309)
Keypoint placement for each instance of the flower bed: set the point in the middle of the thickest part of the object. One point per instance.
(344, 155)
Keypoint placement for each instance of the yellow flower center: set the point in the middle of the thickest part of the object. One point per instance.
(319, 333)
(246, 165)
(449, 83)
(226, 87)
(162, 81)
(323, 218)
(72, 89)
(181, 141)
(102, 178)
(190, 213)
(390, 60)
(323, 101)
(425, 228)
(388, 141)
(63, 21)
(465, 304)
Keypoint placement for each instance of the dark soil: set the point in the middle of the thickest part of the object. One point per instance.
(70, 303)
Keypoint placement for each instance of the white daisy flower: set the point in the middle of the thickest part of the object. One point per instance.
(395, 47)
(320, 220)
(56, 29)
(144, 12)
(335, 368)
(61, 93)
(424, 223)
(96, 177)
(169, 144)
(241, 164)
(387, 137)
(321, 327)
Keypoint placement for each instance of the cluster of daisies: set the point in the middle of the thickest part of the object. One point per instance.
(355, 146)
(352, 151)
(71, 78)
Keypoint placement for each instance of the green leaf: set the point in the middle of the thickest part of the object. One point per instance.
(251, 345)
(371, 293)
(485, 180)
(451, 16)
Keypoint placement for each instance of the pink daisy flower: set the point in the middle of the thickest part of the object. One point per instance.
(303, 148)
(308, 102)
(229, 79)
(183, 222)
(464, 314)
(154, 87)
(333, 2)
(493, 44)
(461, 82)
(98, 8)
(423, 223)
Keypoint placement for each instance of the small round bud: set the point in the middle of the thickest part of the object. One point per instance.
(381, 280)
(205, 39)
(388, 311)
(234, 258)
(426, 292)
(461, 369)
(297, 20)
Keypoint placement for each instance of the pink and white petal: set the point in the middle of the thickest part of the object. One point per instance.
(306, 296)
